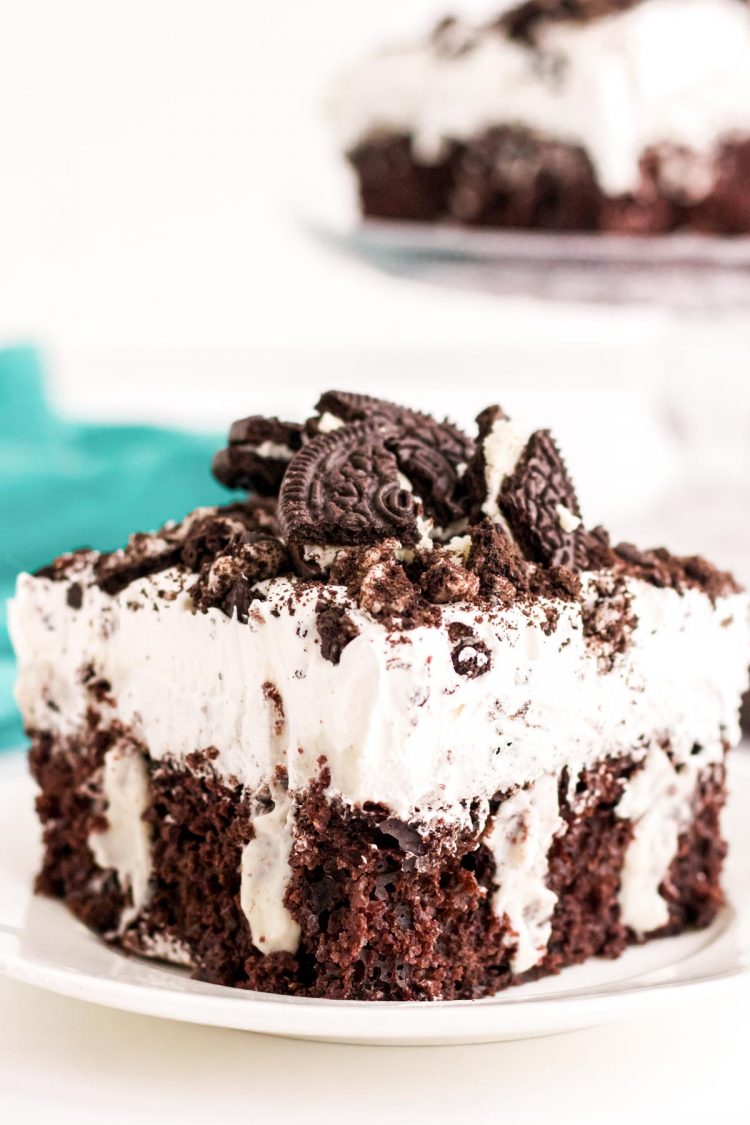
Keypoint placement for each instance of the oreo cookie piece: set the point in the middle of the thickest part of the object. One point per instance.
(343, 488)
(432, 454)
(351, 407)
(475, 478)
(470, 656)
(540, 504)
(258, 454)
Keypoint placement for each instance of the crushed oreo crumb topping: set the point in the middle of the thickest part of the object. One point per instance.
(660, 568)
(445, 580)
(608, 617)
(144, 555)
(65, 566)
(379, 584)
(387, 503)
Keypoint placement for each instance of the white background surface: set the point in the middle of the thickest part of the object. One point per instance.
(148, 153)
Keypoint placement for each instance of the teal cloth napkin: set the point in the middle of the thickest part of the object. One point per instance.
(67, 484)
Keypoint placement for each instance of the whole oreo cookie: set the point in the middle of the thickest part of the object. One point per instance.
(257, 455)
(430, 453)
(538, 499)
(344, 488)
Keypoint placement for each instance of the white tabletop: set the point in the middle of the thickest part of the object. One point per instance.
(83, 1063)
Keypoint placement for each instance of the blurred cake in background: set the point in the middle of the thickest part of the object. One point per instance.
(612, 115)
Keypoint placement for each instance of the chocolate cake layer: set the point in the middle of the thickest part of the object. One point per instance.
(382, 912)
(509, 178)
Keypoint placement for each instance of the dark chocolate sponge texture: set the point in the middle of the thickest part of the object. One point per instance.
(385, 913)
(512, 178)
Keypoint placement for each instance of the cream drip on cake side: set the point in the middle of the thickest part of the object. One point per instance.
(519, 839)
(265, 877)
(658, 802)
(666, 71)
(124, 846)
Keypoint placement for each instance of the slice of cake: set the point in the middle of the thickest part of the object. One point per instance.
(394, 726)
(576, 115)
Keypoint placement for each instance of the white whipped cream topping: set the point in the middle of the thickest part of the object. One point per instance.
(395, 721)
(658, 800)
(265, 878)
(520, 839)
(664, 71)
(125, 845)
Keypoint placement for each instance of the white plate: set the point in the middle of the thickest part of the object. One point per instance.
(40, 943)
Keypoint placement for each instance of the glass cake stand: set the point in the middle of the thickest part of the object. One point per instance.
(699, 273)
(681, 271)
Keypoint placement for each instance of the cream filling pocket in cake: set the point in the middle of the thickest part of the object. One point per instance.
(520, 839)
(657, 800)
(265, 878)
(125, 844)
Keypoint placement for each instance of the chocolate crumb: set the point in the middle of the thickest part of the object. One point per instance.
(447, 580)
(608, 617)
(745, 714)
(74, 595)
(335, 629)
(664, 570)
(144, 555)
(273, 696)
(380, 585)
